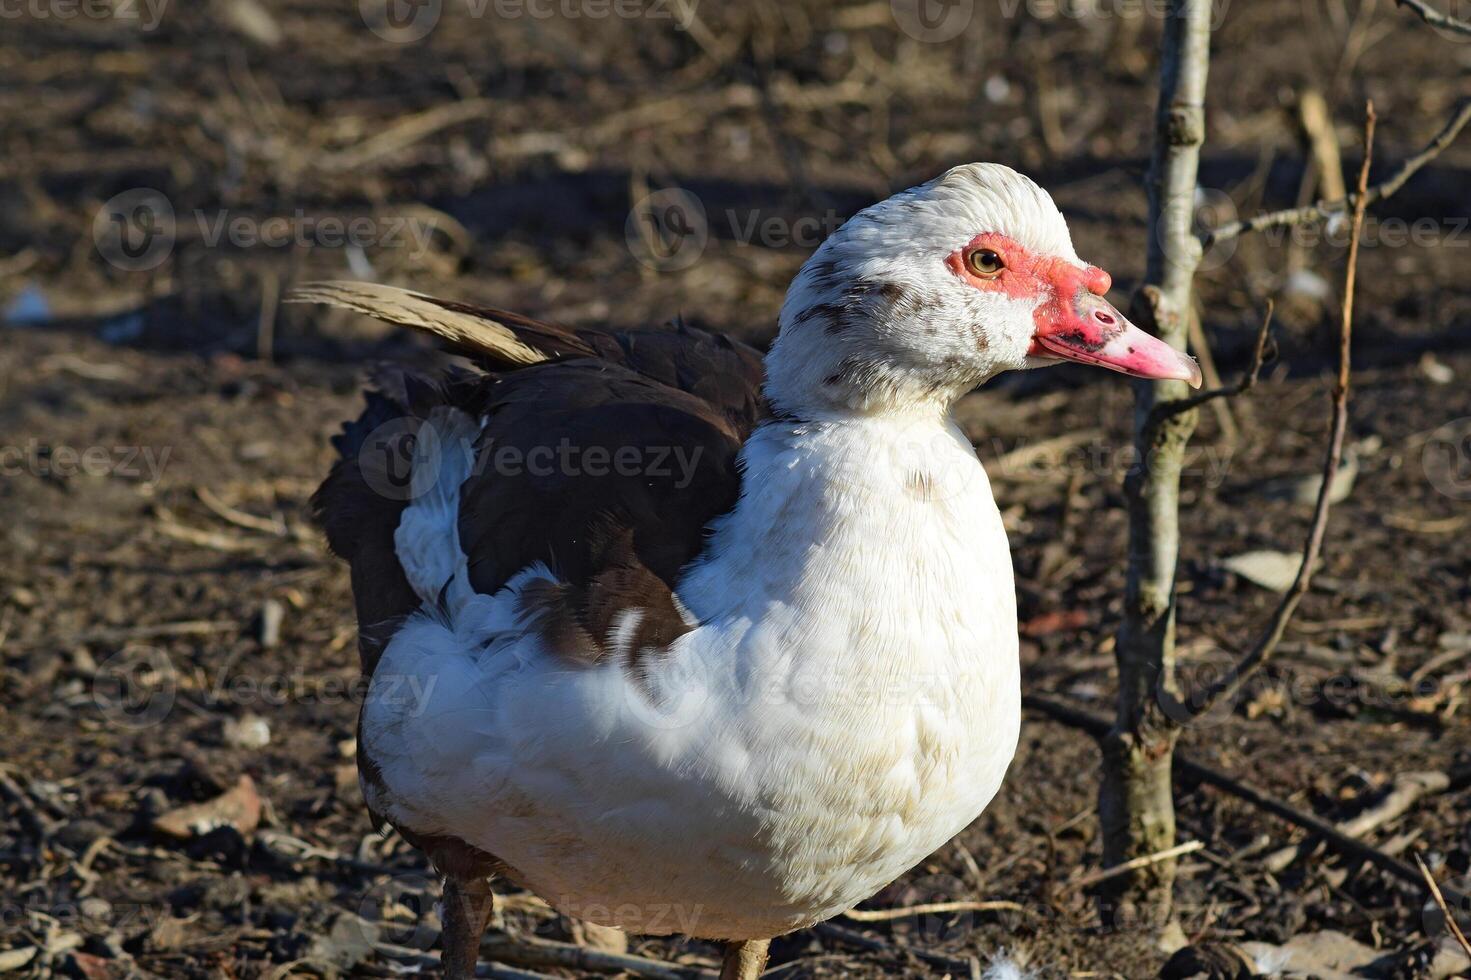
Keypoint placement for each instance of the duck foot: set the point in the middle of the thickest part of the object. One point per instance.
(466, 910)
(744, 960)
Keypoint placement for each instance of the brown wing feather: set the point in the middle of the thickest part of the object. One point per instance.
(615, 538)
(607, 477)
(606, 468)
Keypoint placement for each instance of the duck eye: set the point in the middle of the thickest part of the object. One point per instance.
(985, 263)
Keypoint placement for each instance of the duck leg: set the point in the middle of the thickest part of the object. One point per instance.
(466, 912)
(744, 960)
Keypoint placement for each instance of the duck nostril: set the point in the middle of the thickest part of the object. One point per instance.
(1104, 318)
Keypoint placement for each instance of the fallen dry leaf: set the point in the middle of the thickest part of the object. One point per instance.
(238, 807)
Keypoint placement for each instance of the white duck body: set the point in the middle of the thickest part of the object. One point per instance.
(848, 702)
(842, 696)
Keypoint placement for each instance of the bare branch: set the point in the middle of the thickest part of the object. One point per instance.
(1326, 209)
(1166, 410)
(1434, 17)
(1406, 789)
(1135, 805)
(1331, 835)
(1230, 684)
(1334, 838)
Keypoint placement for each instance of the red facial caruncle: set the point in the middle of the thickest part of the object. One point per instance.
(1073, 320)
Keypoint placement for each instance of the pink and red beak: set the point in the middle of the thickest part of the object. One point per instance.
(1078, 324)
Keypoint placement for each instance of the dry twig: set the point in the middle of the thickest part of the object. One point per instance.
(429, 962)
(1326, 209)
(1332, 837)
(238, 517)
(170, 526)
(1266, 645)
(1406, 790)
(1199, 344)
(933, 908)
(1134, 864)
(123, 634)
(544, 953)
(1450, 919)
(1317, 124)
(404, 133)
(41, 825)
(1434, 17)
(1165, 410)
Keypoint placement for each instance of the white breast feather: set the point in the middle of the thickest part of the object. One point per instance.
(848, 702)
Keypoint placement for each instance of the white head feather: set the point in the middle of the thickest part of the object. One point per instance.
(876, 322)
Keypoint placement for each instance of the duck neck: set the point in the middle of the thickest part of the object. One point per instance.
(828, 385)
(851, 504)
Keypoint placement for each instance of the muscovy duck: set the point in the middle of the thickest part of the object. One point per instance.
(685, 641)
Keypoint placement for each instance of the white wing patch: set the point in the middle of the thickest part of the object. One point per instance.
(427, 540)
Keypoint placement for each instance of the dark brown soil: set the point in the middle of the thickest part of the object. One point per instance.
(144, 411)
